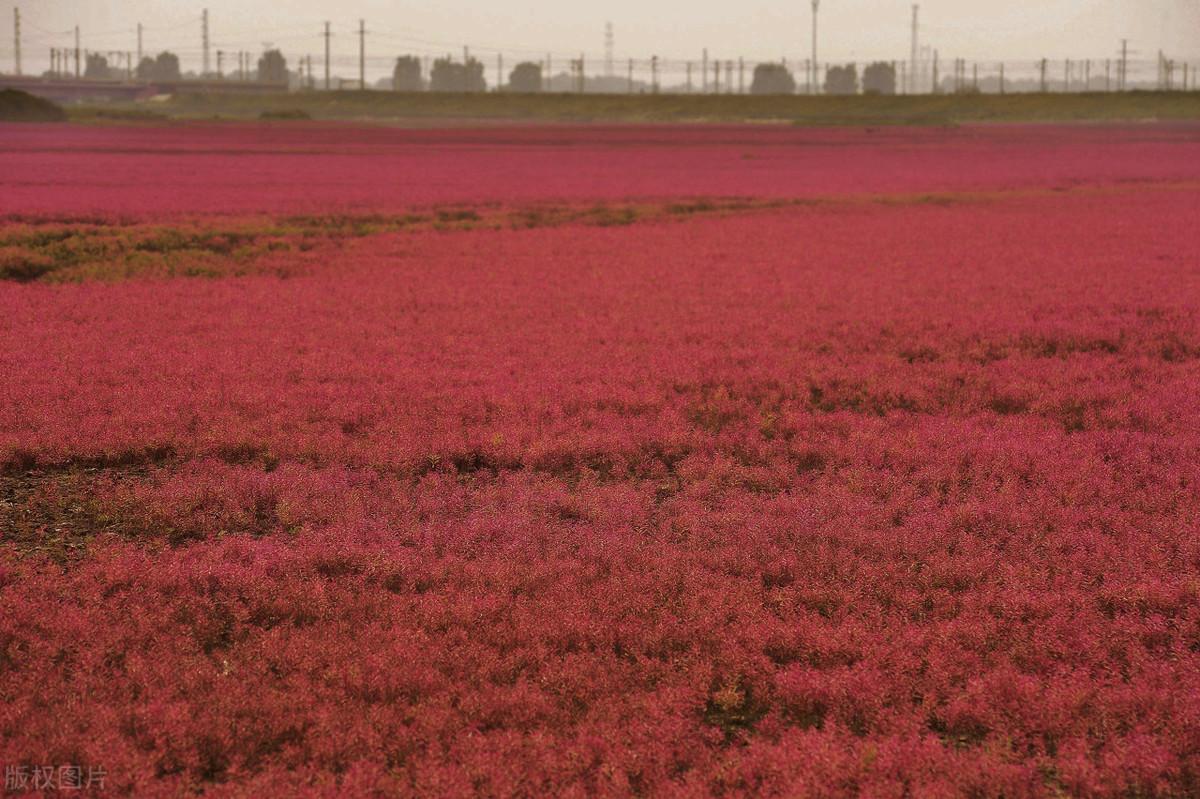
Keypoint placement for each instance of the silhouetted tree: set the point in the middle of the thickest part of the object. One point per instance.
(449, 76)
(272, 67)
(165, 67)
(97, 67)
(879, 78)
(406, 77)
(841, 80)
(772, 79)
(527, 77)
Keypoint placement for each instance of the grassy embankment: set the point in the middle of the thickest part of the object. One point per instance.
(802, 110)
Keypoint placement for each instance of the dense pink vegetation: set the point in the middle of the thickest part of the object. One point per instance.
(884, 499)
(257, 168)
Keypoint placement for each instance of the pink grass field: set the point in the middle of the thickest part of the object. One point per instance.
(225, 168)
(894, 493)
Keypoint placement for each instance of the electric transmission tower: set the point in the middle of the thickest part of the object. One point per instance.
(17, 39)
(915, 54)
(326, 35)
(608, 50)
(204, 38)
(816, 4)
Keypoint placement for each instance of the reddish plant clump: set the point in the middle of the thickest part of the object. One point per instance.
(889, 498)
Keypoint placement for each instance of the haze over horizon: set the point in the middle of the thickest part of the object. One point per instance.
(849, 29)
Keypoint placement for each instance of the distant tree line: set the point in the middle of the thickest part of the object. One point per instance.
(163, 67)
(448, 75)
(877, 78)
(526, 78)
(772, 79)
(272, 67)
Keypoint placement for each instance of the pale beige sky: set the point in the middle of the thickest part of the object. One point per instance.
(756, 29)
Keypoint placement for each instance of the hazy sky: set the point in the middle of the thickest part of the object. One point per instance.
(849, 29)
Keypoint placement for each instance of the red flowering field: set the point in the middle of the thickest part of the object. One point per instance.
(691, 461)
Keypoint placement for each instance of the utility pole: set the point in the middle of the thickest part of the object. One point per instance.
(1108, 74)
(704, 72)
(631, 76)
(362, 55)
(220, 65)
(729, 77)
(499, 72)
(76, 52)
(327, 34)
(741, 75)
(1042, 81)
(204, 41)
(936, 89)
(1067, 75)
(17, 38)
(139, 43)
(915, 54)
(608, 49)
(1002, 90)
(689, 77)
(815, 7)
(654, 74)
